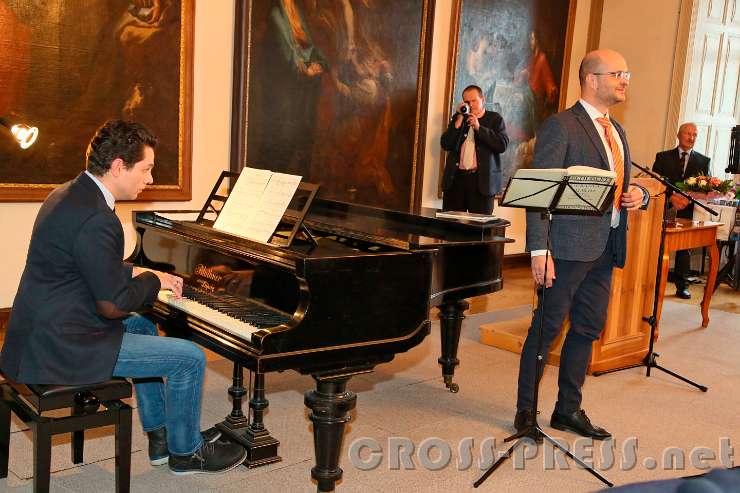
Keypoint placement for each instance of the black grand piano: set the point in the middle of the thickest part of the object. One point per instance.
(346, 296)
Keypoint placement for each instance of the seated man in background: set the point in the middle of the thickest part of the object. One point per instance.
(71, 321)
(676, 165)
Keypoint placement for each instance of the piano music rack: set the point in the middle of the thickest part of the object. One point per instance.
(292, 218)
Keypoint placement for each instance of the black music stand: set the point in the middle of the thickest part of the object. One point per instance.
(586, 196)
(650, 360)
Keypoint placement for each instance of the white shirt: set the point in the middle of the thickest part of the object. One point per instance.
(109, 198)
(468, 159)
(594, 114)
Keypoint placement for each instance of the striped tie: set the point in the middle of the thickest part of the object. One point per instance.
(616, 157)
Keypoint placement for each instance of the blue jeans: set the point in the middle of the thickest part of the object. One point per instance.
(175, 402)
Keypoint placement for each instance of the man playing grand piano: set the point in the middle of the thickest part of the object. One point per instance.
(71, 320)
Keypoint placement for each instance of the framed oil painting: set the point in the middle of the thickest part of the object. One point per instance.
(335, 91)
(517, 52)
(66, 67)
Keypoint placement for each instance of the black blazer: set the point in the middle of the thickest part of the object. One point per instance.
(490, 141)
(668, 164)
(56, 334)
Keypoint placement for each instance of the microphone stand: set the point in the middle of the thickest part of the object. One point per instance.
(650, 360)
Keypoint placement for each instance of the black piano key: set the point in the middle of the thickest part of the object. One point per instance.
(241, 309)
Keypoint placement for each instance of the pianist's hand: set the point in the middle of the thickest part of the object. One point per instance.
(168, 281)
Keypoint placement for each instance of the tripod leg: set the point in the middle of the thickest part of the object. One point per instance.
(703, 388)
(578, 461)
(496, 464)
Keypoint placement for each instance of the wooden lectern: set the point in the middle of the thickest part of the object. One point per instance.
(626, 336)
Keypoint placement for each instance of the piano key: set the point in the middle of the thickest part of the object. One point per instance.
(207, 314)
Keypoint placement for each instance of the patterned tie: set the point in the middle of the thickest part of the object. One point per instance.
(683, 163)
(616, 157)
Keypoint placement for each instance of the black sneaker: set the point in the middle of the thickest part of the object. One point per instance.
(158, 452)
(210, 458)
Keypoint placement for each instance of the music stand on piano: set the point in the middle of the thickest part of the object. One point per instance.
(293, 217)
(545, 194)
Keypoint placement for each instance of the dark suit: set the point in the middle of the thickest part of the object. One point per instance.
(585, 249)
(490, 141)
(56, 334)
(669, 164)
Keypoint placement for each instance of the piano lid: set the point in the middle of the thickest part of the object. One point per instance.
(400, 229)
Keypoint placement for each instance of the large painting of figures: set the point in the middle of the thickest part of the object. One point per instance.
(67, 66)
(517, 52)
(335, 91)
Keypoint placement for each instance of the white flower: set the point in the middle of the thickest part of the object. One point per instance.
(690, 181)
(702, 183)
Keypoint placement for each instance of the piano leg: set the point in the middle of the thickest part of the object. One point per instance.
(451, 315)
(330, 405)
(261, 447)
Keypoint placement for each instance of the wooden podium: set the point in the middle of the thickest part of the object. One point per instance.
(626, 336)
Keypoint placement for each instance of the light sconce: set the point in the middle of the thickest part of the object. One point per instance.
(25, 135)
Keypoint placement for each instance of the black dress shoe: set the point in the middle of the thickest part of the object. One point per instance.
(683, 294)
(527, 420)
(578, 422)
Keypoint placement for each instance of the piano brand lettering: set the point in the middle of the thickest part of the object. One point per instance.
(434, 454)
(207, 272)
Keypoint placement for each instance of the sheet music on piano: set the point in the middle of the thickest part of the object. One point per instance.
(257, 203)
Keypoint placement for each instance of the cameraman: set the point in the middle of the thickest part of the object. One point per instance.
(474, 140)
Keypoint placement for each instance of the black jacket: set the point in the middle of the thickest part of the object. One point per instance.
(60, 329)
(490, 141)
(668, 164)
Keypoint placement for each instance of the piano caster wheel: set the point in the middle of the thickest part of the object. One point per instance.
(454, 388)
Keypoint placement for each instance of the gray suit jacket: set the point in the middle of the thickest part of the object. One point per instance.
(566, 139)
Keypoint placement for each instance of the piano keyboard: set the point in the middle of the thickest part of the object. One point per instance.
(240, 317)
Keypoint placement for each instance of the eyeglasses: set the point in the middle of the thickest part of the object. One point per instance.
(620, 75)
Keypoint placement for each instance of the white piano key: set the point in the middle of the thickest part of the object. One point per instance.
(207, 314)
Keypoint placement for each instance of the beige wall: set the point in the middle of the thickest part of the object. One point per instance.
(643, 116)
(645, 33)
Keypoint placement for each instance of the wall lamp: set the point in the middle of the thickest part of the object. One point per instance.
(22, 133)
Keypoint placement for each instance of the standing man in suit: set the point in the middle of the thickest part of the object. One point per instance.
(71, 320)
(676, 165)
(583, 249)
(474, 140)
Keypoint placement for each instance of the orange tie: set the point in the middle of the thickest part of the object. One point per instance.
(616, 157)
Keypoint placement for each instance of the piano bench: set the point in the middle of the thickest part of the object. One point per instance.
(29, 402)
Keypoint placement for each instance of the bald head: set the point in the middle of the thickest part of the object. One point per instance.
(595, 61)
(604, 78)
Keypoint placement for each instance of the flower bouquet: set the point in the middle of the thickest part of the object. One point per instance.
(703, 187)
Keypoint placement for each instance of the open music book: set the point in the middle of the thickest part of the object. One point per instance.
(577, 188)
(257, 203)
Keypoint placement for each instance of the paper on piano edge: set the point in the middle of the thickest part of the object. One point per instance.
(257, 203)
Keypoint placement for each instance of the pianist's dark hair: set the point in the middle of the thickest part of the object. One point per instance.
(117, 139)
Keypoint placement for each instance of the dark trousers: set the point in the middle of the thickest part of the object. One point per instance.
(465, 196)
(681, 269)
(581, 290)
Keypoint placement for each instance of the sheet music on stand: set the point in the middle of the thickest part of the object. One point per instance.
(257, 203)
(573, 190)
